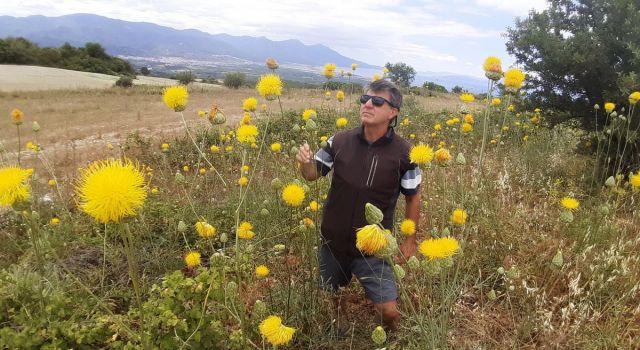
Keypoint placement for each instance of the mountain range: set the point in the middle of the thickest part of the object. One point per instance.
(166, 50)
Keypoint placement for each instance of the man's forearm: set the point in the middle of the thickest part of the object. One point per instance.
(309, 171)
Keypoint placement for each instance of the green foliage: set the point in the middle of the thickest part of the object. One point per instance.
(401, 73)
(457, 89)
(185, 77)
(431, 86)
(90, 58)
(124, 81)
(579, 52)
(145, 71)
(234, 80)
(339, 85)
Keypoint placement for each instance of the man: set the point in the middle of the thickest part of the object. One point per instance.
(370, 165)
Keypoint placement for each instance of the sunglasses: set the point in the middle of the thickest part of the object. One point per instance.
(375, 100)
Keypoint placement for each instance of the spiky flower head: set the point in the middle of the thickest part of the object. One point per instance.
(376, 77)
(175, 97)
(421, 154)
(634, 180)
(513, 79)
(634, 97)
(262, 271)
(329, 70)
(204, 229)
(244, 230)
(16, 116)
(468, 118)
(340, 95)
(408, 227)
(439, 248)
(275, 332)
(192, 259)
(492, 68)
(609, 107)
(293, 195)
(442, 155)
(13, 187)
(459, 216)
(276, 147)
(243, 181)
(341, 122)
(111, 190)
(370, 239)
(570, 203)
(269, 86)
(249, 104)
(354, 66)
(466, 128)
(247, 133)
(495, 101)
(467, 97)
(379, 336)
(309, 114)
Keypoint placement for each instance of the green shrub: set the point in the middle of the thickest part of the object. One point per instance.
(124, 81)
(234, 80)
(185, 77)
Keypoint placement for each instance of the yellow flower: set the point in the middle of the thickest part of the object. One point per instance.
(54, 221)
(309, 114)
(16, 116)
(634, 180)
(202, 171)
(467, 97)
(243, 181)
(329, 70)
(370, 239)
(165, 146)
(245, 168)
(247, 133)
(513, 78)
(467, 128)
(246, 119)
(437, 127)
(214, 149)
(421, 154)
(32, 146)
(634, 97)
(262, 271)
(354, 66)
(469, 118)
(323, 138)
(314, 206)
(341, 122)
(275, 332)
(307, 222)
(609, 107)
(52, 183)
(459, 216)
(450, 122)
(495, 101)
(192, 259)
(570, 203)
(408, 227)
(439, 248)
(229, 149)
(155, 190)
(340, 95)
(272, 63)
(244, 231)
(276, 147)
(269, 86)
(376, 77)
(249, 104)
(204, 229)
(111, 190)
(442, 155)
(293, 195)
(185, 168)
(492, 64)
(175, 97)
(385, 70)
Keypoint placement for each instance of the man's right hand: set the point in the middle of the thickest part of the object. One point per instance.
(307, 166)
(304, 155)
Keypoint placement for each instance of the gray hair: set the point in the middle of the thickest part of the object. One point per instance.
(385, 85)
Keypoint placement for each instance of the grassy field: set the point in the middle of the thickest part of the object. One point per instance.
(531, 272)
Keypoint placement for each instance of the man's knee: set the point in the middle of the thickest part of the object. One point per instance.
(389, 312)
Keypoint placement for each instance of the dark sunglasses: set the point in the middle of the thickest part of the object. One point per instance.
(375, 100)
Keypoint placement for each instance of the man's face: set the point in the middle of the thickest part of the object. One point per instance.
(371, 115)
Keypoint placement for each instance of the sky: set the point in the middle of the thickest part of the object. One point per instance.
(453, 36)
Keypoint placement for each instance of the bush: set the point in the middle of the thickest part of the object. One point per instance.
(145, 71)
(124, 81)
(185, 77)
(234, 80)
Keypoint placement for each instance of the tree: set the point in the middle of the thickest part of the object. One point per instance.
(401, 73)
(145, 71)
(579, 52)
(234, 80)
(457, 89)
(185, 77)
(431, 86)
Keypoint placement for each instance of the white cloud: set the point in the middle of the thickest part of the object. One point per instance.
(515, 7)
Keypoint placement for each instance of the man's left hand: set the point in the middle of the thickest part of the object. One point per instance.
(407, 249)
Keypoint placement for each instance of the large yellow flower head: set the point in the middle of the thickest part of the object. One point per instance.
(495, 101)
(340, 95)
(408, 227)
(513, 79)
(247, 133)
(467, 97)
(634, 97)
(309, 114)
(249, 104)
(329, 70)
(341, 122)
(262, 271)
(192, 259)
(244, 230)
(634, 180)
(276, 147)
(421, 154)
(467, 128)
(609, 107)
(570, 203)
(175, 97)
(13, 188)
(205, 229)
(468, 118)
(16, 116)
(111, 190)
(293, 195)
(492, 64)
(371, 239)
(269, 86)
(275, 332)
(442, 155)
(459, 216)
(376, 77)
(439, 248)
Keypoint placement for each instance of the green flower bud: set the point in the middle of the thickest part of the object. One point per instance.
(611, 182)
(513, 273)
(323, 144)
(35, 127)
(447, 262)
(604, 209)
(373, 214)
(224, 238)
(306, 188)
(232, 287)
(566, 216)
(180, 178)
(558, 260)
(379, 336)
(182, 227)
(445, 232)
(311, 125)
(294, 150)
(596, 106)
(259, 308)
(276, 183)
(460, 159)
(264, 212)
(500, 270)
(431, 267)
(413, 263)
(491, 295)
(279, 247)
(399, 272)
(295, 129)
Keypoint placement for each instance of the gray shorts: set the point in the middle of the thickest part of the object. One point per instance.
(374, 274)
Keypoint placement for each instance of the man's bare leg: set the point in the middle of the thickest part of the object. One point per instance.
(389, 313)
